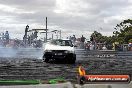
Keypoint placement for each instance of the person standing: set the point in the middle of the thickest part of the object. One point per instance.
(73, 39)
(7, 37)
(25, 36)
(26, 30)
(82, 42)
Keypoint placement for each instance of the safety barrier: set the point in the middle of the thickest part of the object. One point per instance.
(104, 53)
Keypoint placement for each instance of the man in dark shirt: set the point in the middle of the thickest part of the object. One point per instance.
(82, 42)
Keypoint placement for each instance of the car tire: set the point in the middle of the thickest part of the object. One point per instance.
(72, 61)
(46, 60)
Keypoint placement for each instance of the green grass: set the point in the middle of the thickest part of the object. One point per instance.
(19, 82)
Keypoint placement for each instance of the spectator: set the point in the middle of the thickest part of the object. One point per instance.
(83, 39)
(104, 48)
(91, 47)
(7, 37)
(82, 42)
(73, 39)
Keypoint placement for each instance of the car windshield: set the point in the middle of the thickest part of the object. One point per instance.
(62, 42)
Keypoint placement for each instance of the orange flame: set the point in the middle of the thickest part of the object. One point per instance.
(81, 71)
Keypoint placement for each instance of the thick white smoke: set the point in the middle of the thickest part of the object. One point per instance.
(21, 52)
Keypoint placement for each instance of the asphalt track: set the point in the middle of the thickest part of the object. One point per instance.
(25, 64)
(70, 85)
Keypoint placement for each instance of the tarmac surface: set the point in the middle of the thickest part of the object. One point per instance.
(70, 85)
(26, 68)
(28, 64)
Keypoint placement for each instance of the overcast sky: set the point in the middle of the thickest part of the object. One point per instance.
(79, 17)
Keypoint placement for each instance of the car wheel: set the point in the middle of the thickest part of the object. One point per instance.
(46, 60)
(71, 61)
(74, 59)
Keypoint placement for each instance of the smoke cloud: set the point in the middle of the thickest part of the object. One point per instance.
(21, 52)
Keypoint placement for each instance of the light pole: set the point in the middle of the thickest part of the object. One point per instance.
(46, 29)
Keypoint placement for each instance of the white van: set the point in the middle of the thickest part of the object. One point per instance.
(59, 50)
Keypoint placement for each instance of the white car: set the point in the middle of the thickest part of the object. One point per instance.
(59, 50)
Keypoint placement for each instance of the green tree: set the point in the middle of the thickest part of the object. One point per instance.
(130, 41)
(99, 38)
(123, 31)
(96, 36)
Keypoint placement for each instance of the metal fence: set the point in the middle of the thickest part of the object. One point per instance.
(104, 53)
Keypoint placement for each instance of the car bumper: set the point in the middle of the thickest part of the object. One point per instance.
(59, 55)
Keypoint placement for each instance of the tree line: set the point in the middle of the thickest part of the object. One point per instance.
(122, 34)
